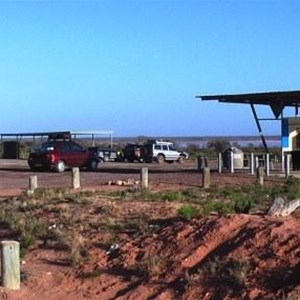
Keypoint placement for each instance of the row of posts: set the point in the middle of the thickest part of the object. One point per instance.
(253, 166)
(33, 182)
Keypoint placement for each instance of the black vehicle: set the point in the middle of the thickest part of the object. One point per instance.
(133, 152)
(104, 154)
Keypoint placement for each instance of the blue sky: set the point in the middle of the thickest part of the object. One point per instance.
(135, 67)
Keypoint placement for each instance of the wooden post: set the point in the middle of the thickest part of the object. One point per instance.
(206, 178)
(75, 178)
(32, 183)
(10, 264)
(260, 175)
(200, 165)
(220, 163)
(144, 178)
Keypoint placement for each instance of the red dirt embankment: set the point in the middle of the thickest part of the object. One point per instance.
(231, 257)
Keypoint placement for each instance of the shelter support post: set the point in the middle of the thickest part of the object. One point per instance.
(259, 127)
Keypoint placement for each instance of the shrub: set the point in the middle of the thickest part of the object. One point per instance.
(231, 273)
(188, 211)
(171, 196)
(220, 207)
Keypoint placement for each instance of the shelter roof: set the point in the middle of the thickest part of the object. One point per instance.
(289, 98)
(67, 132)
(276, 100)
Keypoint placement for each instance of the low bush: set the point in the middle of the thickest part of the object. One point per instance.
(188, 211)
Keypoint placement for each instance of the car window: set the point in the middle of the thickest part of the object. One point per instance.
(171, 147)
(76, 147)
(157, 147)
(165, 147)
(65, 147)
(45, 147)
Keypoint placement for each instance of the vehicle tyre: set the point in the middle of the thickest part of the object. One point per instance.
(93, 165)
(60, 166)
(160, 159)
(181, 159)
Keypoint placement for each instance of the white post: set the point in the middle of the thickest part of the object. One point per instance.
(252, 167)
(267, 164)
(287, 165)
(10, 264)
(256, 162)
(75, 178)
(283, 162)
(231, 162)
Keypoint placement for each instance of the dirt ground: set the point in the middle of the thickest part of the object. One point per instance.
(250, 255)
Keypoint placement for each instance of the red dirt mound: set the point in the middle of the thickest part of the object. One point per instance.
(231, 257)
(179, 261)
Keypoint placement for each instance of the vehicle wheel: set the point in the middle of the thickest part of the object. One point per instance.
(60, 166)
(93, 165)
(105, 158)
(160, 159)
(181, 159)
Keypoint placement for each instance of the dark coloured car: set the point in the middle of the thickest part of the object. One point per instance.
(59, 155)
(104, 154)
(132, 152)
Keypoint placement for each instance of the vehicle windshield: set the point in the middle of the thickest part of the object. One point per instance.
(171, 147)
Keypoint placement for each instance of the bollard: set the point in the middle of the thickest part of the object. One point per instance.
(220, 163)
(260, 176)
(206, 178)
(283, 163)
(10, 264)
(267, 164)
(252, 162)
(32, 183)
(75, 178)
(144, 178)
(231, 167)
(287, 161)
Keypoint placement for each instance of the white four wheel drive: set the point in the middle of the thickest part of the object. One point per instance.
(161, 151)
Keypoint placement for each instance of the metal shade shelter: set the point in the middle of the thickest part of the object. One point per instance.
(276, 100)
(57, 135)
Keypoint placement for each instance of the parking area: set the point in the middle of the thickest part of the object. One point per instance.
(15, 174)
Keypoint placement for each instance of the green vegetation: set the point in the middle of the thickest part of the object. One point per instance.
(188, 211)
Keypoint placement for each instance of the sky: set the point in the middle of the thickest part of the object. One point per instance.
(135, 67)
